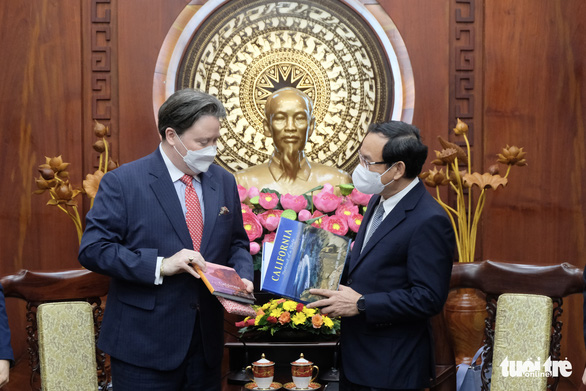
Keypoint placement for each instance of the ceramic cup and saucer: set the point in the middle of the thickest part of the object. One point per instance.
(254, 387)
(262, 372)
(311, 386)
(304, 374)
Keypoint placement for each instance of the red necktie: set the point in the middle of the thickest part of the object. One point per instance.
(193, 216)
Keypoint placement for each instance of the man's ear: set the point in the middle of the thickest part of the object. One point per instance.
(400, 170)
(170, 136)
(267, 128)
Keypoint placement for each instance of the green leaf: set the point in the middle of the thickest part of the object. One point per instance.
(314, 189)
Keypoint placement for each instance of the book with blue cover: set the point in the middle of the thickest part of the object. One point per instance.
(304, 257)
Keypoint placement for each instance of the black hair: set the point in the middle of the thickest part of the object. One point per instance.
(403, 144)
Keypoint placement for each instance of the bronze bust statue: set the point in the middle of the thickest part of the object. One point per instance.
(289, 121)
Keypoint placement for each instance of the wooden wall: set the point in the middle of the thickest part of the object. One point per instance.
(513, 69)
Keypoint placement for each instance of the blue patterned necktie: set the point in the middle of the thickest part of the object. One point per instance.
(377, 218)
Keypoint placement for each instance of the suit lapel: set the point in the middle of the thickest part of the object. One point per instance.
(397, 215)
(165, 193)
(211, 201)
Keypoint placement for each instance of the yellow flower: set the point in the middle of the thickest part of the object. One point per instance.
(257, 319)
(289, 305)
(309, 311)
(298, 318)
(328, 322)
(266, 305)
(276, 312)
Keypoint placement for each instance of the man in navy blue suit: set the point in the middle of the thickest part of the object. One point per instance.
(6, 354)
(162, 327)
(399, 271)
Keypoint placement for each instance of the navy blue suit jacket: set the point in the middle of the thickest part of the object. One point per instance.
(5, 347)
(136, 218)
(404, 273)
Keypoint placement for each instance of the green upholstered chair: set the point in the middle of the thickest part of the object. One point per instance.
(67, 351)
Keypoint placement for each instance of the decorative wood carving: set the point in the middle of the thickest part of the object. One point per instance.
(101, 66)
(462, 72)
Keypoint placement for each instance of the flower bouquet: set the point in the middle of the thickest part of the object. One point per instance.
(262, 211)
(287, 319)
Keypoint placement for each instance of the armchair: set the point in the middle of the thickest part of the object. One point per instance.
(496, 278)
(36, 288)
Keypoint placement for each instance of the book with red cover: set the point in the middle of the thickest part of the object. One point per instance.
(223, 281)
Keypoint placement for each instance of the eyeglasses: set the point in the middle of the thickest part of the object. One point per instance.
(366, 163)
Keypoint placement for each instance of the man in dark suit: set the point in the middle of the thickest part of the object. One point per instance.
(399, 271)
(6, 354)
(152, 221)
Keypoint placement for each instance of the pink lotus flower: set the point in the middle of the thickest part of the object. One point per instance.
(354, 222)
(346, 210)
(254, 248)
(304, 215)
(360, 198)
(242, 193)
(268, 200)
(252, 226)
(245, 208)
(297, 203)
(253, 192)
(318, 223)
(326, 202)
(270, 219)
(335, 224)
(270, 237)
(328, 188)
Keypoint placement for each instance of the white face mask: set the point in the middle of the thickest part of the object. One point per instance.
(200, 160)
(369, 182)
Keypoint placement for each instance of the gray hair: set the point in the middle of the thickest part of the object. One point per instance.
(184, 107)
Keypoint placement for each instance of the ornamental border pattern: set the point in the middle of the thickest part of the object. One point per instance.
(464, 61)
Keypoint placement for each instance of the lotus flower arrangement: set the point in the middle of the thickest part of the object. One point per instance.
(262, 211)
(465, 215)
(278, 316)
(54, 179)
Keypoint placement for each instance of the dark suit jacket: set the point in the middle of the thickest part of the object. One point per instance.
(404, 273)
(137, 217)
(5, 347)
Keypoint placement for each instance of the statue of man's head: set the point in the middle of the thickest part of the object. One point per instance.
(289, 122)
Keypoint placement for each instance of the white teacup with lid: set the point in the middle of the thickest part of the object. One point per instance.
(302, 371)
(263, 371)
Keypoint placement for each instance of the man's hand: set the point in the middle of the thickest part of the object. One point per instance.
(4, 372)
(183, 262)
(337, 303)
(249, 285)
(584, 377)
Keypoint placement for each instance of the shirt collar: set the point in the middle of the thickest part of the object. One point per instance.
(393, 200)
(175, 173)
